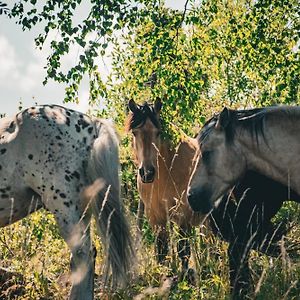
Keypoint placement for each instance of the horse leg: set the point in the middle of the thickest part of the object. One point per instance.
(162, 244)
(183, 248)
(184, 253)
(16, 203)
(239, 272)
(74, 225)
(76, 233)
(140, 214)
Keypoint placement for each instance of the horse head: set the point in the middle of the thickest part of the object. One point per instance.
(220, 164)
(144, 124)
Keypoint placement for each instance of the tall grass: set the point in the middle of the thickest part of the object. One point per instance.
(35, 265)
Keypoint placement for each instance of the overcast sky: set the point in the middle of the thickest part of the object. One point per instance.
(22, 69)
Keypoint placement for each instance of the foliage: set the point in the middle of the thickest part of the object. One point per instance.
(236, 53)
(33, 249)
(213, 53)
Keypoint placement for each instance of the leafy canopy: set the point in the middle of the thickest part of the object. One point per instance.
(240, 53)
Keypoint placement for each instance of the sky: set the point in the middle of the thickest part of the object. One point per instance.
(22, 69)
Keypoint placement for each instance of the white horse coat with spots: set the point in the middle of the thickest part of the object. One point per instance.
(49, 155)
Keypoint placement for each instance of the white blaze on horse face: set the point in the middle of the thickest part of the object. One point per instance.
(145, 143)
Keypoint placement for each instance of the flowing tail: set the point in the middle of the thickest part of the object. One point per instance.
(103, 171)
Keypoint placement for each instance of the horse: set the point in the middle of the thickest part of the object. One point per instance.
(262, 139)
(236, 151)
(68, 163)
(243, 218)
(162, 180)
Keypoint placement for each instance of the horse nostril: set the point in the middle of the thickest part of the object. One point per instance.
(141, 172)
(147, 174)
(151, 172)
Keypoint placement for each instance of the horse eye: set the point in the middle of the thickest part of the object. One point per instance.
(206, 155)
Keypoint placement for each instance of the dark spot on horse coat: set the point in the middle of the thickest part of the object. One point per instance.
(67, 204)
(67, 121)
(76, 174)
(62, 195)
(68, 113)
(3, 151)
(83, 123)
(2, 208)
(90, 130)
(67, 178)
(58, 137)
(77, 127)
(0, 167)
(30, 156)
(4, 196)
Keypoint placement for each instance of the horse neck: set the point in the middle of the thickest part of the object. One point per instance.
(165, 153)
(270, 153)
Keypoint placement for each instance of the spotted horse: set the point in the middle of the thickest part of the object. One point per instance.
(63, 160)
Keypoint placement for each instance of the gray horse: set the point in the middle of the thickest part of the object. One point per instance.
(265, 140)
(60, 159)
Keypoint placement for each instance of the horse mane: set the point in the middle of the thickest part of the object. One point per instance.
(253, 120)
(250, 120)
(139, 117)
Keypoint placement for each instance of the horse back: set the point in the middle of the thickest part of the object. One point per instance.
(44, 147)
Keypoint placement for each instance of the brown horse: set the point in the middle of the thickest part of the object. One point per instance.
(163, 176)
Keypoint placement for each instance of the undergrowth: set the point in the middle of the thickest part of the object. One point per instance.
(35, 265)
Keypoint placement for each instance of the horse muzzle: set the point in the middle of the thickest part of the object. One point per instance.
(199, 200)
(147, 174)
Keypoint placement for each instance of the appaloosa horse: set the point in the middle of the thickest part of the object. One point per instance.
(60, 159)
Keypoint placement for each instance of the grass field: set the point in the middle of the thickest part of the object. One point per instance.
(35, 265)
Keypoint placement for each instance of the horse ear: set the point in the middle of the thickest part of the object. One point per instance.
(132, 106)
(157, 105)
(224, 119)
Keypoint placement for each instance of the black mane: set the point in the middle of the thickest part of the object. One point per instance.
(140, 116)
(251, 120)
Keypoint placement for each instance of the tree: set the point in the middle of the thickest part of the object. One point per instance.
(211, 54)
(237, 53)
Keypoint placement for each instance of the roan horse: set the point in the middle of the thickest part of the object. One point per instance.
(60, 159)
(233, 146)
(263, 140)
(162, 179)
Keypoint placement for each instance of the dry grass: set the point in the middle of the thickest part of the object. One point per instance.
(36, 266)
